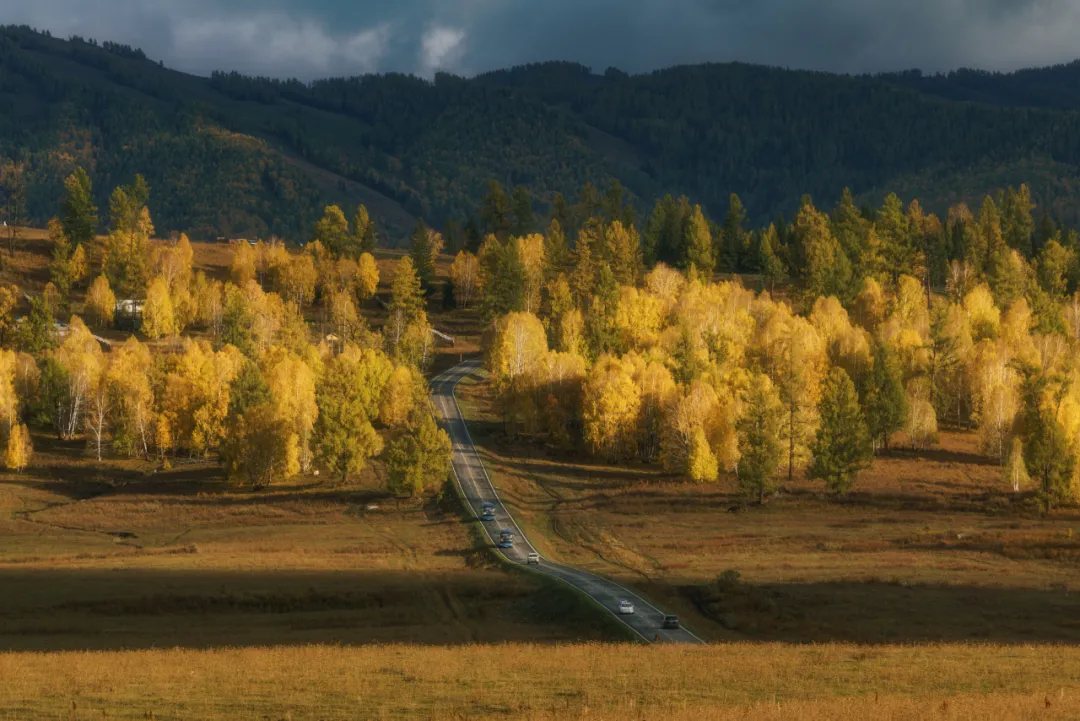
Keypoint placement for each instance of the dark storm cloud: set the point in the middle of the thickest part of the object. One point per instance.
(311, 38)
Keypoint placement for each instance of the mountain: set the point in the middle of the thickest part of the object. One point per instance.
(234, 155)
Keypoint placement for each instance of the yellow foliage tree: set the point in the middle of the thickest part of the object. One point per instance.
(405, 391)
(995, 395)
(703, 467)
(81, 356)
(19, 448)
(196, 394)
(242, 269)
(292, 387)
(984, 318)
(610, 406)
(870, 305)
(531, 252)
(367, 277)
(638, 318)
(133, 398)
(514, 360)
(100, 303)
(158, 320)
(465, 275)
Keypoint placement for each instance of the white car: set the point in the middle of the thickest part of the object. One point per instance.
(625, 607)
(533, 559)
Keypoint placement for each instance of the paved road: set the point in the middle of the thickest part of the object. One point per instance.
(478, 489)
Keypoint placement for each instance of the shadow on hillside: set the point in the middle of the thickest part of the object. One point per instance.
(62, 609)
(890, 612)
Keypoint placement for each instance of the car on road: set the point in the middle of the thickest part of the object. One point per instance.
(533, 559)
(670, 622)
(625, 607)
(506, 538)
(487, 515)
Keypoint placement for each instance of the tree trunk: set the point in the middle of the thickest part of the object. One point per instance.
(791, 445)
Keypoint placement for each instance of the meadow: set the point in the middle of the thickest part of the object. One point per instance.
(529, 681)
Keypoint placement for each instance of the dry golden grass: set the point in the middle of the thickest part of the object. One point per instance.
(930, 546)
(545, 682)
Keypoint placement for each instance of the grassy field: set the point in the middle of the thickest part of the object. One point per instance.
(544, 682)
(125, 556)
(930, 546)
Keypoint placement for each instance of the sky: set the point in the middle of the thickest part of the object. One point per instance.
(308, 39)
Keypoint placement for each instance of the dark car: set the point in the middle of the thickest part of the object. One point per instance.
(670, 622)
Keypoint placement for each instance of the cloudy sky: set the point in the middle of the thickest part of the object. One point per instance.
(314, 38)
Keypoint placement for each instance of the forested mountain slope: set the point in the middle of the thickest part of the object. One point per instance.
(231, 155)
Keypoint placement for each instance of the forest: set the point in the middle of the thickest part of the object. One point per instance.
(236, 370)
(256, 157)
(819, 343)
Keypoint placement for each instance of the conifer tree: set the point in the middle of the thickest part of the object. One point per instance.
(555, 250)
(1048, 455)
(771, 264)
(842, 446)
(733, 240)
(472, 238)
(560, 213)
(699, 244)
(883, 398)
(523, 212)
(406, 294)
(760, 449)
(420, 458)
(78, 213)
(496, 213)
(364, 237)
(420, 251)
(127, 251)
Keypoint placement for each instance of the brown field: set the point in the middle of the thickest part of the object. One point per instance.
(123, 556)
(929, 546)
(772, 681)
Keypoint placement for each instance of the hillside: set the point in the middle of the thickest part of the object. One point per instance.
(231, 155)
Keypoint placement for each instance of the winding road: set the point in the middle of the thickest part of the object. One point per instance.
(477, 489)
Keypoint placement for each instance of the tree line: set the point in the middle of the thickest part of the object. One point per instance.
(274, 370)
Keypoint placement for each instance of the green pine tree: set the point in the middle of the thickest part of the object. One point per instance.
(758, 430)
(523, 212)
(420, 458)
(1048, 454)
(734, 237)
(495, 211)
(363, 238)
(842, 446)
(406, 293)
(698, 244)
(883, 398)
(420, 251)
(504, 282)
(78, 213)
(772, 265)
(555, 250)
